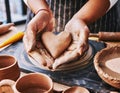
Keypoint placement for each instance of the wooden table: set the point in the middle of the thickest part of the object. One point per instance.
(88, 79)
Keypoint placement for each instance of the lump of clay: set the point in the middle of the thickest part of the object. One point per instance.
(56, 44)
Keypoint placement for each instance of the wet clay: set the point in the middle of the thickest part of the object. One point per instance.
(112, 67)
(56, 44)
(114, 64)
(107, 65)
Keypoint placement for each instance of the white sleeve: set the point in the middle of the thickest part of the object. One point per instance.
(26, 2)
(112, 3)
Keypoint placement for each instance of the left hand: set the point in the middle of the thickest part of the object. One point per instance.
(79, 45)
(43, 20)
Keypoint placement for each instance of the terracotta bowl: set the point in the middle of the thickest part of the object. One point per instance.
(76, 89)
(107, 65)
(9, 68)
(34, 83)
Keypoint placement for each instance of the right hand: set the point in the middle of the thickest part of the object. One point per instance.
(43, 20)
(80, 32)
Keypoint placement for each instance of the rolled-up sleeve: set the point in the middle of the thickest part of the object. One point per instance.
(26, 2)
(112, 3)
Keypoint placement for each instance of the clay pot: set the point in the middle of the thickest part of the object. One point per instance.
(9, 68)
(34, 83)
(107, 65)
(76, 89)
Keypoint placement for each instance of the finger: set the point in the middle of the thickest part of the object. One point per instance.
(30, 39)
(80, 51)
(29, 43)
(38, 57)
(41, 56)
(46, 56)
(67, 57)
(82, 48)
(83, 40)
(72, 47)
(44, 53)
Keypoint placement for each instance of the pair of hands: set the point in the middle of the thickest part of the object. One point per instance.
(45, 21)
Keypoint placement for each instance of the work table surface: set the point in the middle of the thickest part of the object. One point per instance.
(87, 77)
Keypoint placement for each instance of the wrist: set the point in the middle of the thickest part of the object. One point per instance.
(43, 10)
(81, 19)
(46, 14)
(37, 5)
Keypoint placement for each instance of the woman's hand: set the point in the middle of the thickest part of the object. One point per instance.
(43, 20)
(79, 45)
(80, 33)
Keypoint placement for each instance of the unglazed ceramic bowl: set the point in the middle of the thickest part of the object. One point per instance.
(9, 68)
(107, 65)
(34, 83)
(76, 89)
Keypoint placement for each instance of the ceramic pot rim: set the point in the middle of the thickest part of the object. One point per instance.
(35, 73)
(13, 64)
(105, 76)
(96, 62)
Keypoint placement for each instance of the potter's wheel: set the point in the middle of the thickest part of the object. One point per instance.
(81, 63)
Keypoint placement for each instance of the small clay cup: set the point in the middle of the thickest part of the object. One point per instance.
(9, 68)
(76, 89)
(34, 83)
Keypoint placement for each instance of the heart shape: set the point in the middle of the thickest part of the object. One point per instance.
(56, 44)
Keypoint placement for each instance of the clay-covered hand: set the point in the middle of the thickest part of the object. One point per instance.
(79, 45)
(43, 20)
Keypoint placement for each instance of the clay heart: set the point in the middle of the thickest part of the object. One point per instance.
(56, 44)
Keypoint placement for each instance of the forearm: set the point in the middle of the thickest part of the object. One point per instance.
(92, 10)
(36, 5)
